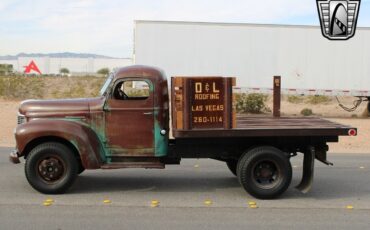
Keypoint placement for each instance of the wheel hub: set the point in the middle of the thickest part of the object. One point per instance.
(266, 174)
(51, 169)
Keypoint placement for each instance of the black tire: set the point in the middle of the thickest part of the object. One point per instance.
(232, 165)
(265, 172)
(51, 168)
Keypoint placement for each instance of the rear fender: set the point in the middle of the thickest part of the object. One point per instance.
(81, 136)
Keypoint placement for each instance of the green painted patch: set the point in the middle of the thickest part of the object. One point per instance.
(98, 130)
(161, 141)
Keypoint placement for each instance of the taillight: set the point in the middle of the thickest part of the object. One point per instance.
(352, 132)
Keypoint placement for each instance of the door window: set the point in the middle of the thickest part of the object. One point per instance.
(132, 90)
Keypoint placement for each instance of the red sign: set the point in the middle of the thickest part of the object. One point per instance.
(30, 67)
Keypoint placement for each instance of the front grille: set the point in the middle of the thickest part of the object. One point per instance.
(21, 119)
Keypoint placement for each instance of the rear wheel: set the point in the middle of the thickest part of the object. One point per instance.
(51, 168)
(232, 165)
(265, 172)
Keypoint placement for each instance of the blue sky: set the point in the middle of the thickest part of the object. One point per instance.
(106, 26)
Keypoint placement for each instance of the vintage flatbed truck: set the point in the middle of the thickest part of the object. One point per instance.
(128, 126)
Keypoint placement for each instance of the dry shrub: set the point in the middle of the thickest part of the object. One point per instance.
(295, 99)
(307, 112)
(21, 87)
(318, 99)
(250, 103)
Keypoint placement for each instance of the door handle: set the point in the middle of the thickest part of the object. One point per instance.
(148, 113)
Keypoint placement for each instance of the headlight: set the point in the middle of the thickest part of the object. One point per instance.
(21, 119)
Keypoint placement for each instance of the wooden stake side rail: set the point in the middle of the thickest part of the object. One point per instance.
(286, 122)
(263, 126)
(202, 108)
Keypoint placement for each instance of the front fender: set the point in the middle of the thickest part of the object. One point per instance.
(82, 137)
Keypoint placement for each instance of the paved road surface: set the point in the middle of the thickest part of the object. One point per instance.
(181, 191)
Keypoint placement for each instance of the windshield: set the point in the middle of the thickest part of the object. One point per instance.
(103, 90)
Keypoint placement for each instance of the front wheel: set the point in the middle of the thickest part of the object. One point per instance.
(265, 172)
(51, 168)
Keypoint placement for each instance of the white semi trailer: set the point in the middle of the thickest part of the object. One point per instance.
(308, 63)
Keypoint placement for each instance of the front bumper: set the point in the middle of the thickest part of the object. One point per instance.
(14, 158)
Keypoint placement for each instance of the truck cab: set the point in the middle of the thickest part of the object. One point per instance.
(136, 114)
(129, 119)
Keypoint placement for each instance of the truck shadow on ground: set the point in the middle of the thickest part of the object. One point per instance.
(333, 189)
(108, 183)
(323, 188)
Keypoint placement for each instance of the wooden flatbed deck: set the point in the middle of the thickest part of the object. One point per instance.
(255, 126)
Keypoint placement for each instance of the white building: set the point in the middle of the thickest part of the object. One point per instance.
(48, 65)
(255, 53)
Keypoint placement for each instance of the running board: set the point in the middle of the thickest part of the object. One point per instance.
(146, 165)
(308, 171)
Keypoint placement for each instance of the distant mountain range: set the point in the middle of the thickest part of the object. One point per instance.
(54, 55)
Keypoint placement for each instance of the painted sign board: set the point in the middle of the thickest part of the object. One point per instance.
(202, 102)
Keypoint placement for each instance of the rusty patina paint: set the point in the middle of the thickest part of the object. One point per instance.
(142, 121)
(129, 124)
(83, 137)
(89, 125)
(161, 118)
(161, 141)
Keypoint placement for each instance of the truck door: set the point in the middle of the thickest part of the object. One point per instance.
(130, 119)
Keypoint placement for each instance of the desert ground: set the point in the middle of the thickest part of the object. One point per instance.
(329, 110)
